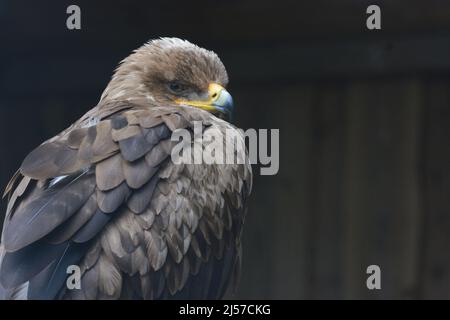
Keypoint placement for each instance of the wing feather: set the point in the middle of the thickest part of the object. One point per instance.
(138, 225)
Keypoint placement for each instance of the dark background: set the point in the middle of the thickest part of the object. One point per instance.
(363, 116)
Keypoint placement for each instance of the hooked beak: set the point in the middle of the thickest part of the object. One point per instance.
(218, 102)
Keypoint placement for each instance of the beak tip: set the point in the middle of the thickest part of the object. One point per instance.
(225, 103)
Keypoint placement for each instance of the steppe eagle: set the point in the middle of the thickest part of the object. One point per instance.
(105, 195)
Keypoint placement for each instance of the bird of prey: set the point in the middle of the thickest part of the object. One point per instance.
(106, 197)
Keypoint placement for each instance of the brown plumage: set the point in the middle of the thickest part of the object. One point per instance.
(105, 195)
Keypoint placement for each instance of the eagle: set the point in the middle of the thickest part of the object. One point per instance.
(105, 199)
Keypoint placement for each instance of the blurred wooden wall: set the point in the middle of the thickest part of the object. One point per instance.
(364, 179)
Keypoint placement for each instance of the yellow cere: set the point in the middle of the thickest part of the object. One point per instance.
(214, 90)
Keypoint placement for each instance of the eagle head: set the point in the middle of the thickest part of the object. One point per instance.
(170, 71)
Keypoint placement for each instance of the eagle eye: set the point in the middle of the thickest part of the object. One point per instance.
(176, 87)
